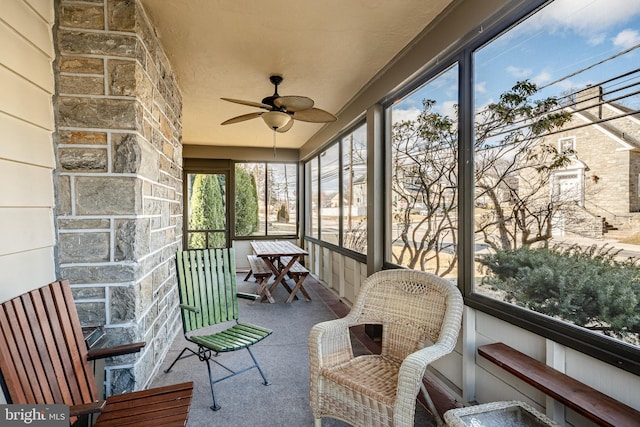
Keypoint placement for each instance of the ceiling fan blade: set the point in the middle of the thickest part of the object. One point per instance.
(249, 103)
(241, 118)
(293, 103)
(314, 115)
(286, 127)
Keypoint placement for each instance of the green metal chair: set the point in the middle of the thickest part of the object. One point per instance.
(208, 296)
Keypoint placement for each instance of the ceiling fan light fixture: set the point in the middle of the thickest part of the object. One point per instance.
(275, 119)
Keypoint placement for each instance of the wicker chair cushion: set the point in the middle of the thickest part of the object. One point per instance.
(375, 376)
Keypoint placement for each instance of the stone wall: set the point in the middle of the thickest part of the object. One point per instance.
(119, 180)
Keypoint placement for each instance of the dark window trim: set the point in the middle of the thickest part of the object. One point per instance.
(337, 140)
(266, 235)
(216, 168)
(605, 349)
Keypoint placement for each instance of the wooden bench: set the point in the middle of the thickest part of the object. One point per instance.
(298, 273)
(585, 400)
(44, 360)
(262, 273)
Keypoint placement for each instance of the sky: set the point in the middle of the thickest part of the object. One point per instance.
(548, 49)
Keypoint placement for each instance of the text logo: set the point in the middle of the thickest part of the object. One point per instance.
(34, 415)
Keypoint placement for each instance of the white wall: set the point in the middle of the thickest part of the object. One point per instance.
(341, 273)
(27, 235)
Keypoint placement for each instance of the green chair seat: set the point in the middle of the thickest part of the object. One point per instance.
(235, 338)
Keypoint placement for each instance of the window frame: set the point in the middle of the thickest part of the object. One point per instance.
(207, 166)
(441, 67)
(317, 157)
(266, 235)
(563, 140)
(608, 350)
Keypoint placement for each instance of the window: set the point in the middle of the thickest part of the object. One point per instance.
(265, 199)
(564, 74)
(354, 190)
(312, 179)
(330, 194)
(424, 163)
(337, 180)
(567, 145)
(206, 210)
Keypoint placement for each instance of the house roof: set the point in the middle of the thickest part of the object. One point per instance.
(627, 140)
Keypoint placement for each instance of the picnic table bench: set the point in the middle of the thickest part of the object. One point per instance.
(298, 273)
(261, 271)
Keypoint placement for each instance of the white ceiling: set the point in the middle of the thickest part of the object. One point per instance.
(327, 50)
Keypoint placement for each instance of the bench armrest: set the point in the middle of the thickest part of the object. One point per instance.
(87, 408)
(101, 353)
(190, 308)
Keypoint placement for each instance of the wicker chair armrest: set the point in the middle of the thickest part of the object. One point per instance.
(410, 378)
(330, 343)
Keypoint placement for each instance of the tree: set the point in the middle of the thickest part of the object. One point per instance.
(425, 180)
(246, 202)
(512, 166)
(207, 212)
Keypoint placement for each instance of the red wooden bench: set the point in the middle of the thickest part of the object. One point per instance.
(44, 360)
(585, 400)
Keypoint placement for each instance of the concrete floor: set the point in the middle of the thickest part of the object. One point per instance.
(283, 356)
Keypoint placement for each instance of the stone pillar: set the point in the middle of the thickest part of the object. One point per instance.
(119, 186)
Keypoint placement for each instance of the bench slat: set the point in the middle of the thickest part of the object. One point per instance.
(296, 268)
(258, 266)
(585, 400)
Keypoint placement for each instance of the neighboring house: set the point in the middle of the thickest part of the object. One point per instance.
(602, 181)
(358, 204)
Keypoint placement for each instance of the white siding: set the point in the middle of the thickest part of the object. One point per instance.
(27, 236)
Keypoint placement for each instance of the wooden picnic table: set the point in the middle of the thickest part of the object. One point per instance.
(274, 253)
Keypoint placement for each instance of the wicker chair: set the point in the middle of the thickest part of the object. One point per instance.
(420, 314)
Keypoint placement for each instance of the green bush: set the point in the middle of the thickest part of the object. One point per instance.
(207, 211)
(587, 287)
(246, 203)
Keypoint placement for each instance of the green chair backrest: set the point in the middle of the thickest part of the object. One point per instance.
(207, 285)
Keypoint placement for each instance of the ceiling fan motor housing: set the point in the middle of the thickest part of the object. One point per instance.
(275, 80)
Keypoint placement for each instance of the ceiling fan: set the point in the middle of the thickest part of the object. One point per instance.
(282, 111)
